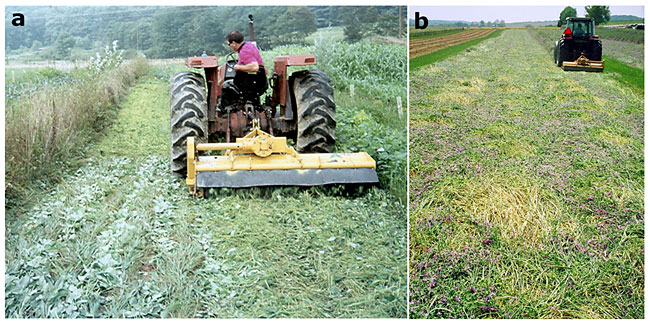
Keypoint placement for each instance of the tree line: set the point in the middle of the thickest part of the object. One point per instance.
(165, 32)
(600, 14)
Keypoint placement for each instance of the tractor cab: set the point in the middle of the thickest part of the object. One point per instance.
(579, 28)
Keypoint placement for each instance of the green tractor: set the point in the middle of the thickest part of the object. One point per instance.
(579, 49)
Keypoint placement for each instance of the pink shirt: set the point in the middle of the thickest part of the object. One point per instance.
(248, 53)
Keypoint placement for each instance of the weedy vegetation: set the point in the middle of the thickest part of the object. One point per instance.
(121, 237)
(526, 188)
(51, 115)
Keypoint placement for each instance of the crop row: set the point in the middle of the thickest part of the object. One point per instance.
(424, 46)
(466, 34)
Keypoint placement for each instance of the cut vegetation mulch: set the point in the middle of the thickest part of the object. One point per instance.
(526, 188)
(121, 237)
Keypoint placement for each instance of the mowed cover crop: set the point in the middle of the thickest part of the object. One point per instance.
(121, 236)
(526, 188)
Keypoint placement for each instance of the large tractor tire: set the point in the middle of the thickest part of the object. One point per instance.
(188, 116)
(315, 109)
(596, 51)
(561, 53)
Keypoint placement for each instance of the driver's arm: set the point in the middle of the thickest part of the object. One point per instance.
(250, 67)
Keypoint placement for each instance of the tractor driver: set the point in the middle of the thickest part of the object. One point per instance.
(249, 56)
(250, 78)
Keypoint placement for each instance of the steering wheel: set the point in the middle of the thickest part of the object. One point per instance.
(230, 60)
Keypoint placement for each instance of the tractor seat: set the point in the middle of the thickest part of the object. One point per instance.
(252, 85)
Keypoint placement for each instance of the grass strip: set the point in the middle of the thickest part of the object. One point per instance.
(447, 52)
(628, 75)
(49, 126)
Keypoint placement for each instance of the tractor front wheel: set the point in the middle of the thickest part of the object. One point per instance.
(188, 116)
(315, 110)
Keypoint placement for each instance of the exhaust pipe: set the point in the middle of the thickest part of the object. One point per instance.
(250, 28)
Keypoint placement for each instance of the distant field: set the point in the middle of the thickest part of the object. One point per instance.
(424, 46)
(621, 34)
(15, 74)
(617, 34)
(622, 22)
(328, 33)
(432, 32)
(446, 52)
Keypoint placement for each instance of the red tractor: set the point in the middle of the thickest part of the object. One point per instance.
(300, 106)
(579, 48)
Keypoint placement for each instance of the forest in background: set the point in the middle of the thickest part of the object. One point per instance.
(65, 32)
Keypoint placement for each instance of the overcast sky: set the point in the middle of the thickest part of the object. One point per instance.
(509, 13)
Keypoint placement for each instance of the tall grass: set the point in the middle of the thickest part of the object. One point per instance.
(378, 74)
(628, 75)
(53, 124)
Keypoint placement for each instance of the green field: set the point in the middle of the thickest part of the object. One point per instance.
(526, 188)
(623, 22)
(622, 34)
(15, 74)
(334, 34)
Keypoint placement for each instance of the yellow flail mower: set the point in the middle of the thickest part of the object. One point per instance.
(260, 159)
(583, 64)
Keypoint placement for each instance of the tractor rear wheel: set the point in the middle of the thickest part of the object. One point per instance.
(188, 116)
(315, 110)
(562, 53)
(596, 51)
